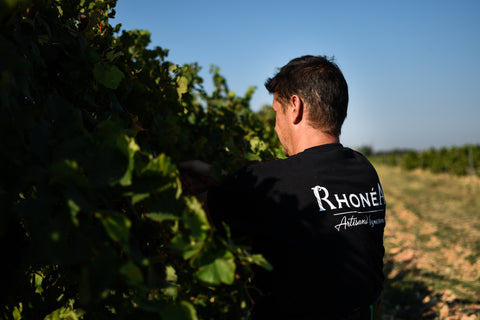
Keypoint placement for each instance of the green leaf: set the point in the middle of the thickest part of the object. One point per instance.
(158, 166)
(189, 244)
(116, 225)
(112, 55)
(221, 270)
(74, 210)
(160, 216)
(182, 311)
(259, 260)
(129, 149)
(66, 312)
(253, 157)
(257, 145)
(195, 206)
(108, 75)
(182, 86)
(195, 218)
(186, 246)
(114, 159)
(132, 273)
(139, 197)
(67, 171)
(171, 274)
(171, 290)
(179, 311)
(157, 174)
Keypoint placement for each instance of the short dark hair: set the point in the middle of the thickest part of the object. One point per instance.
(320, 83)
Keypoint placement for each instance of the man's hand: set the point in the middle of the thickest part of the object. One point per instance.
(196, 176)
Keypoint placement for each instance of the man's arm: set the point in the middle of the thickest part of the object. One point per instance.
(197, 177)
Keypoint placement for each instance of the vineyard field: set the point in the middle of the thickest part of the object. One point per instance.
(432, 243)
(97, 222)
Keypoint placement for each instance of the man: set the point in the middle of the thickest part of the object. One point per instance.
(317, 216)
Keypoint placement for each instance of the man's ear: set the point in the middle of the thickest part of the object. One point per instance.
(296, 109)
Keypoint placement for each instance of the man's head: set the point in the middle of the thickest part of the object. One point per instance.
(320, 84)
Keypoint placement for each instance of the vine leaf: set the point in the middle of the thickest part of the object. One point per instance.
(182, 86)
(108, 75)
(116, 225)
(221, 270)
(132, 273)
(180, 311)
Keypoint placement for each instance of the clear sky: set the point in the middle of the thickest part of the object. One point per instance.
(413, 66)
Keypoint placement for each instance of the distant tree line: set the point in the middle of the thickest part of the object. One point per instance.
(464, 160)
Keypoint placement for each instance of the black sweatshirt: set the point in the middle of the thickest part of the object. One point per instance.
(318, 217)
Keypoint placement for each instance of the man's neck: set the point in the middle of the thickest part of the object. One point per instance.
(311, 138)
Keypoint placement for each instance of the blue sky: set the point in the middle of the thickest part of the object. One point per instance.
(413, 66)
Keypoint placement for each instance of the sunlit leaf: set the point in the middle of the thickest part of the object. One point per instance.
(195, 206)
(195, 219)
(182, 86)
(221, 270)
(259, 260)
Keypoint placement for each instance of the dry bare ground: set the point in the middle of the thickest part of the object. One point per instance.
(432, 243)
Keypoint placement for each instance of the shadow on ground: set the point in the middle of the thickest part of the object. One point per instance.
(407, 296)
(403, 296)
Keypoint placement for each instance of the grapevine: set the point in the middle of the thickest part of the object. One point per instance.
(94, 220)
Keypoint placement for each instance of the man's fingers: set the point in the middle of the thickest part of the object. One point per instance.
(196, 166)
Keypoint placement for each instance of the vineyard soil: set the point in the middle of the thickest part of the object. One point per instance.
(432, 242)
